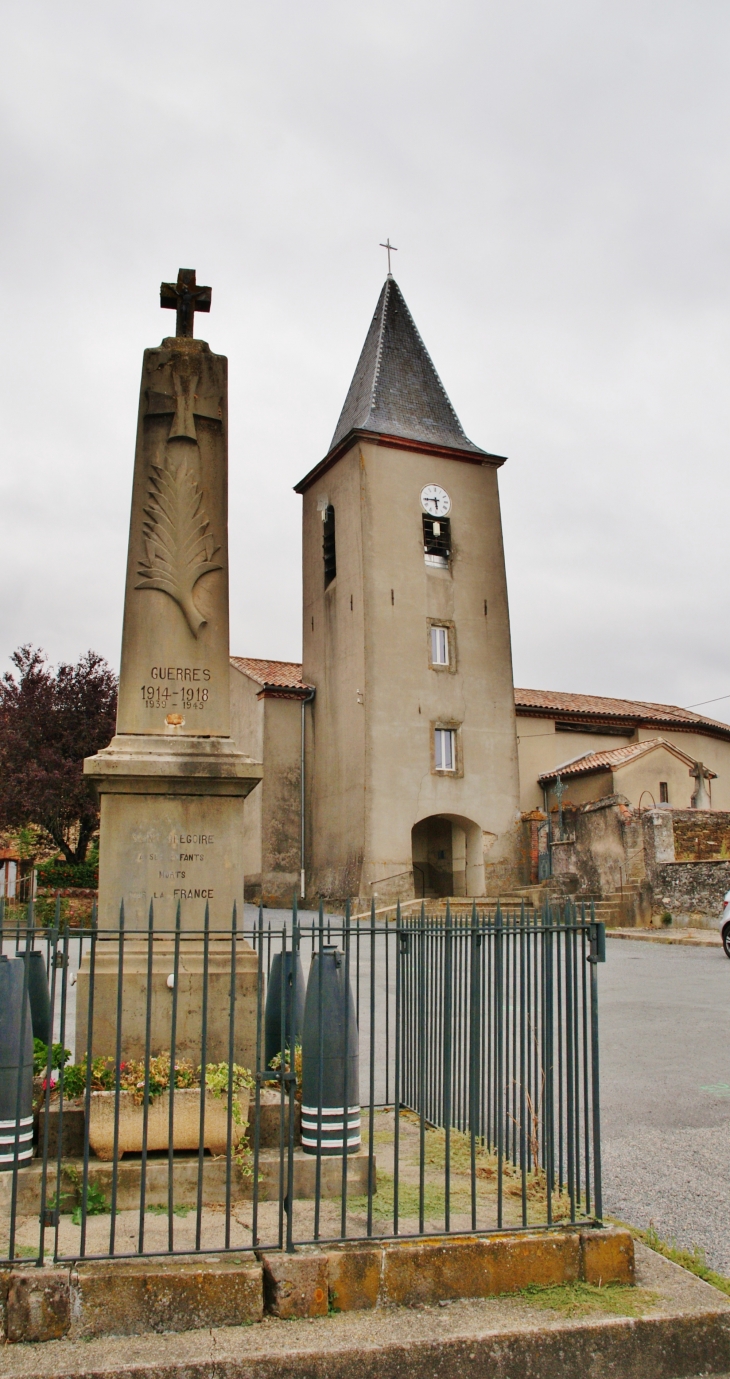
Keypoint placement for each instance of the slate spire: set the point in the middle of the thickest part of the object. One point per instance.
(395, 389)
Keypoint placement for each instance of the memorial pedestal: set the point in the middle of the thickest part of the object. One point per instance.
(172, 831)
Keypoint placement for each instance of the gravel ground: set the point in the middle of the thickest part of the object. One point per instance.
(665, 1068)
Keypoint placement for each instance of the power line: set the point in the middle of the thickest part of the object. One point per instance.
(707, 701)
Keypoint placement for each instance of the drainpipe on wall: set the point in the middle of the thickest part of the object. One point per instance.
(306, 700)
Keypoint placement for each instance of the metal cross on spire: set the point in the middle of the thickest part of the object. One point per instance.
(186, 298)
(391, 248)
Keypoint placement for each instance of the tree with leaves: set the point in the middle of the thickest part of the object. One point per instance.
(49, 721)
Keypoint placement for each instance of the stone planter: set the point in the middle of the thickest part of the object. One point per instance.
(186, 1125)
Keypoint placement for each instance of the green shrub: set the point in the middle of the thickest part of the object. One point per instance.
(59, 1057)
(59, 875)
(96, 1204)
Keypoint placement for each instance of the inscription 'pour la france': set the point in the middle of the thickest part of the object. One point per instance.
(180, 844)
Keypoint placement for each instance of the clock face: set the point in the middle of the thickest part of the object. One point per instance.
(435, 501)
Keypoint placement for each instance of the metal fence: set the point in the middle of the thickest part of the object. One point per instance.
(467, 1100)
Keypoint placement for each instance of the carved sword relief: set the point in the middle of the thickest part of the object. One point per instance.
(178, 544)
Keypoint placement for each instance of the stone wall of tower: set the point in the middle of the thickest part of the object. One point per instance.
(370, 774)
(406, 698)
(333, 660)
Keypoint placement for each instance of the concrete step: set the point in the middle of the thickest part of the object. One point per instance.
(185, 1180)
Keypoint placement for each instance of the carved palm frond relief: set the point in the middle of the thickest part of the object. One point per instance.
(178, 544)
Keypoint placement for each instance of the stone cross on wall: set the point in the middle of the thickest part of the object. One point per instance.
(701, 795)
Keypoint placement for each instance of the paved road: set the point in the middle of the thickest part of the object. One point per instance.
(665, 1067)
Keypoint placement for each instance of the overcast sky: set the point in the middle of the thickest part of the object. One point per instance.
(556, 179)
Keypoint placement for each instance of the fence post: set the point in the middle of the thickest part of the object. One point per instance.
(498, 1078)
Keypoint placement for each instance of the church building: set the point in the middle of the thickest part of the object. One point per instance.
(399, 760)
(410, 748)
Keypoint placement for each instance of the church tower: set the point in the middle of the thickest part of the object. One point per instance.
(411, 754)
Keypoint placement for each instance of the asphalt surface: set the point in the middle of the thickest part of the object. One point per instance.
(665, 1092)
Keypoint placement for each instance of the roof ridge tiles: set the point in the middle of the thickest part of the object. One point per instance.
(379, 348)
(592, 706)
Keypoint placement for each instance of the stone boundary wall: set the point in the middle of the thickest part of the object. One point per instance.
(701, 835)
(692, 892)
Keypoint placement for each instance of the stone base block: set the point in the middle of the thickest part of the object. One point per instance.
(295, 1285)
(354, 1274)
(38, 1305)
(607, 1257)
(437, 1271)
(129, 1299)
(406, 1273)
(189, 999)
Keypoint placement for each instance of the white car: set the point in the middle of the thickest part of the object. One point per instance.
(725, 923)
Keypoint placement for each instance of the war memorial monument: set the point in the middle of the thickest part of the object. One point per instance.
(172, 783)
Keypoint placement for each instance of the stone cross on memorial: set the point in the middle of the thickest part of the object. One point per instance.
(172, 782)
(185, 297)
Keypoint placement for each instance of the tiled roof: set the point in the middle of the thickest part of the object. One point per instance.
(272, 674)
(534, 703)
(612, 759)
(549, 703)
(395, 388)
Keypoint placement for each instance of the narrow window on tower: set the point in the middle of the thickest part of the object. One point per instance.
(663, 792)
(436, 540)
(439, 646)
(328, 545)
(444, 754)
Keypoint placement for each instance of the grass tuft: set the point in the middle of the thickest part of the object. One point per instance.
(694, 1260)
(408, 1200)
(583, 1299)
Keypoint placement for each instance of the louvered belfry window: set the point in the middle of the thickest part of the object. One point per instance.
(436, 539)
(329, 553)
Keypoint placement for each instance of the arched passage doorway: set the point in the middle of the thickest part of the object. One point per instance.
(448, 856)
